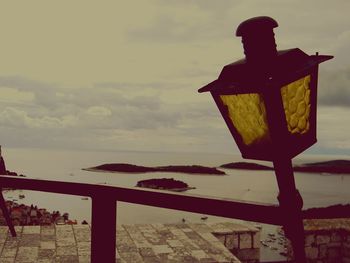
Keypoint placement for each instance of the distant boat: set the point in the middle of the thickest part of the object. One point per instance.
(21, 196)
(204, 217)
(60, 221)
(85, 198)
(264, 243)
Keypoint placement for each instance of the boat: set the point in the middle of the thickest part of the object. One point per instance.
(204, 217)
(85, 198)
(21, 196)
(264, 243)
(60, 221)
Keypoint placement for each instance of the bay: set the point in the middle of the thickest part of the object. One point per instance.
(260, 186)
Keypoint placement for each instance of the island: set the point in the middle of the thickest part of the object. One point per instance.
(246, 166)
(131, 168)
(332, 167)
(164, 184)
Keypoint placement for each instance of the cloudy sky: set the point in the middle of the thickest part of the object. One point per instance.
(123, 75)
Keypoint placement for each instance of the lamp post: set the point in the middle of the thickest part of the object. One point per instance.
(268, 101)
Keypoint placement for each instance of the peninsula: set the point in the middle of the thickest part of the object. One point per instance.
(131, 168)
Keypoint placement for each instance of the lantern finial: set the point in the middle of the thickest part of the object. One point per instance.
(258, 39)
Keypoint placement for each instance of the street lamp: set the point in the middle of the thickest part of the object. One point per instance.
(268, 101)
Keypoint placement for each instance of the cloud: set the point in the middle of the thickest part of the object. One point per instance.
(11, 95)
(99, 111)
(105, 107)
(340, 49)
(333, 127)
(12, 117)
(106, 115)
(186, 21)
(124, 115)
(334, 87)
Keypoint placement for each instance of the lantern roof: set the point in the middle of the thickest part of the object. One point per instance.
(286, 64)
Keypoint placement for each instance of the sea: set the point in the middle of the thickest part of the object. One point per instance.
(317, 190)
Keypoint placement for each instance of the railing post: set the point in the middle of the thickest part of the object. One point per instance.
(6, 214)
(103, 229)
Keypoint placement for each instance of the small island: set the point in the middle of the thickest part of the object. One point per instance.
(246, 166)
(131, 168)
(164, 184)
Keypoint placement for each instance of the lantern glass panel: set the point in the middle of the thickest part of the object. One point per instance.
(296, 103)
(248, 115)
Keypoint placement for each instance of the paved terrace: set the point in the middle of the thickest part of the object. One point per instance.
(135, 243)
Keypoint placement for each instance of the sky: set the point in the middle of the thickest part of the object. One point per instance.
(124, 75)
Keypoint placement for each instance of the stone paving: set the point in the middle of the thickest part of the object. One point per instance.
(149, 243)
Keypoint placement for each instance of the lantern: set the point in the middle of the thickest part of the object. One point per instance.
(268, 99)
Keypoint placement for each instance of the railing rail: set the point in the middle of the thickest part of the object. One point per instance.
(104, 203)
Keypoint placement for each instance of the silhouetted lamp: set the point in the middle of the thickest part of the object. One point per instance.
(268, 101)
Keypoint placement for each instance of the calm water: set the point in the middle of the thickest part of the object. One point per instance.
(316, 189)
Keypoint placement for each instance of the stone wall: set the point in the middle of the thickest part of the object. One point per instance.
(327, 240)
(242, 240)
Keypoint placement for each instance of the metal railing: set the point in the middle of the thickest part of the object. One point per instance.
(104, 207)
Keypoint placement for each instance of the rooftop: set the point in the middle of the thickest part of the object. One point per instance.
(135, 243)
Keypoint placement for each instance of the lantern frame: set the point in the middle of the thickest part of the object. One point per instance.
(269, 79)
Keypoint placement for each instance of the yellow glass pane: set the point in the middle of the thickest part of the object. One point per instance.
(248, 114)
(296, 103)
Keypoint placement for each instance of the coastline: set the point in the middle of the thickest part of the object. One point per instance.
(25, 215)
